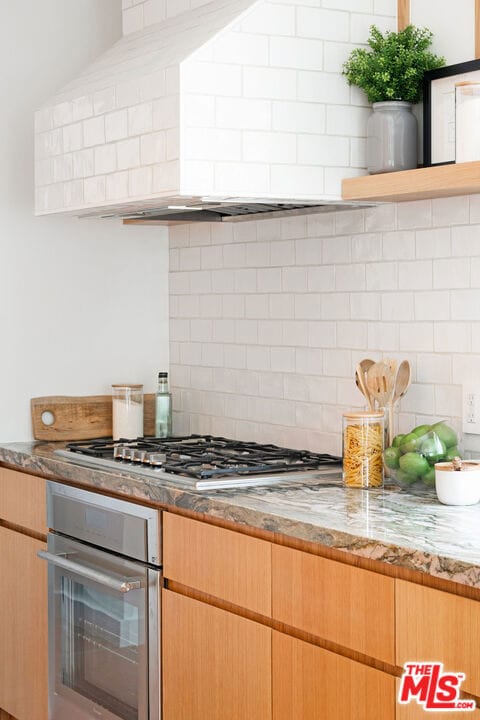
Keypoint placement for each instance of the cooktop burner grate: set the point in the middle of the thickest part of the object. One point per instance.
(204, 456)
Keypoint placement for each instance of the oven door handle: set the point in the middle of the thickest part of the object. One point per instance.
(122, 585)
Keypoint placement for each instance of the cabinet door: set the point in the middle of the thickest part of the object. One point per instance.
(435, 626)
(23, 627)
(216, 665)
(229, 565)
(334, 601)
(22, 500)
(310, 683)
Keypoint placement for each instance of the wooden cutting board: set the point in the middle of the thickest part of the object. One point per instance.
(81, 418)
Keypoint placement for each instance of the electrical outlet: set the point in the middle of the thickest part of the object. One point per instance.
(471, 409)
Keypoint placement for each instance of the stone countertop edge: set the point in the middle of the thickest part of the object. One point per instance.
(385, 526)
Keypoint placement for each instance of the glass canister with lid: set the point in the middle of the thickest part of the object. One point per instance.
(363, 441)
(127, 411)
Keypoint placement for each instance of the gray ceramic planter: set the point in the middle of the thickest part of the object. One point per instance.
(391, 138)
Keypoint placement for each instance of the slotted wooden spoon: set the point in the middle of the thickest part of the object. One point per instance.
(381, 381)
(361, 380)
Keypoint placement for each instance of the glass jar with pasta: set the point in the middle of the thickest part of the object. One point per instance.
(363, 438)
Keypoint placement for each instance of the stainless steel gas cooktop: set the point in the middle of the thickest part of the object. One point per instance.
(202, 461)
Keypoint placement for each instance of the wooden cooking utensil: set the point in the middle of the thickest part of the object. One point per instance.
(381, 381)
(381, 384)
(401, 384)
(360, 379)
(81, 418)
(402, 381)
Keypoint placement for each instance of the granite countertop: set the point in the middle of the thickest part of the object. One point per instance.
(392, 526)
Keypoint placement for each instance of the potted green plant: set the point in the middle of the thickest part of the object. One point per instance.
(391, 74)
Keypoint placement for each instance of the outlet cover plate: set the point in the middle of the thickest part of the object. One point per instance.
(471, 409)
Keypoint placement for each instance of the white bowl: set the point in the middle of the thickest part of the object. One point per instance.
(458, 487)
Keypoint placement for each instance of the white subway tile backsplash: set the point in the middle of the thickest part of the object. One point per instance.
(295, 117)
(296, 53)
(294, 279)
(366, 247)
(419, 399)
(465, 304)
(308, 251)
(308, 306)
(416, 214)
(383, 337)
(433, 243)
(451, 273)
(399, 245)
(350, 277)
(382, 276)
(352, 334)
(309, 361)
(128, 153)
(360, 24)
(416, 336)
(116, 125)
(450, 337)
(105, 159)
(466, 240)
(347, 120)
(432, 305)
(450, 211)
(323, 24)
(397, 306)
(94, 131)
(335, 306)
(337, 250)
(321, 87)
(365, 305)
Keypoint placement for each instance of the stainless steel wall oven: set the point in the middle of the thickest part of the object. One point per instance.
(104, 585)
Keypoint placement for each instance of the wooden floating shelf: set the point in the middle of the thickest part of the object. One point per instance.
(421, 184)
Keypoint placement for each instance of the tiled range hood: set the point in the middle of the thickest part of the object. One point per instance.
(226, 103)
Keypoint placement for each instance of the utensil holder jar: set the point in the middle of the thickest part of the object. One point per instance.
(363, 443)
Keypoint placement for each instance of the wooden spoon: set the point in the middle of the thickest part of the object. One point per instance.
(402, 383)
(361, 379)
(360, 382)
(381, 381)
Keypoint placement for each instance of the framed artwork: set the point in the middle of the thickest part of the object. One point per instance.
(439, 110)
(439, 86)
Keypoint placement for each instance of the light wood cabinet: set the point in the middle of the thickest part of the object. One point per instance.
(437, 626)
(337, 602)
(229, 565)
(23, 627)
(310, 683)
(216, 665)
(22, 500)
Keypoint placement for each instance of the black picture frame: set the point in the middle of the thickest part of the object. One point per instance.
(471, 66)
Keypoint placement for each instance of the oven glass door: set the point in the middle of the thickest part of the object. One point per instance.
(98, 634)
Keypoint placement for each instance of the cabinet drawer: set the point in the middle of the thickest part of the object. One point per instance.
(436, 626)
(226, 564)
(22, 500)
(216, 665)
(310, 683)
(340, 603)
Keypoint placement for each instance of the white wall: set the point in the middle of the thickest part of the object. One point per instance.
(82, 303)
(269, 318)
